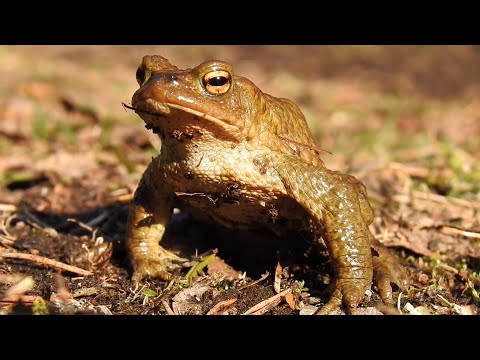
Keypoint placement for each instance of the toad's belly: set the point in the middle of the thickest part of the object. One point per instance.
(230, 187)
(235, 212)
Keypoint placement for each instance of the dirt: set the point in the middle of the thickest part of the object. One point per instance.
(403, 119)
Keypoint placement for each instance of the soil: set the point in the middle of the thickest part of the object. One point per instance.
(403, 119)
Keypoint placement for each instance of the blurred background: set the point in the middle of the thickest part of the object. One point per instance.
(368, 105)
(405, 120)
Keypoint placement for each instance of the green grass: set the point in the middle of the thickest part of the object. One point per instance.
(48, 128)
(8, 178)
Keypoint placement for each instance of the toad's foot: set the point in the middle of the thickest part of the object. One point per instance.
(387, 270)
(159, 264)
(349, 292)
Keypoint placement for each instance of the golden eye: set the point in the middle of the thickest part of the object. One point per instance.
(142, 75)
(217, 82)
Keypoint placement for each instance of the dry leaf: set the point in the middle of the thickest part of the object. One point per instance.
(290, 299)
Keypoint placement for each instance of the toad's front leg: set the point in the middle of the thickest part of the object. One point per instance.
(149, 215)
(333, 203)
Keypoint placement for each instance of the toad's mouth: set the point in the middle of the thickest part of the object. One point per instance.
(152, 112)
(159, 109)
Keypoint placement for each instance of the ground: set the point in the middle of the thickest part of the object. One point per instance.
(403, 119)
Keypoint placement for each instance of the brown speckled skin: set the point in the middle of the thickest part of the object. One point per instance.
(228, 159)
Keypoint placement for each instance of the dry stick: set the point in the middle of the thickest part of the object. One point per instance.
(420, 172)
(120, 192)
(167, 307)
(450, 230)
(256, 281)
(265, 303)
(81, 224)
(414, 171)
(423, 196)
(125, 198)
(86, 227)
(8, 207)
(47, 262)
(20, 298)
(444, 199)
(93, 222)
(221, 305)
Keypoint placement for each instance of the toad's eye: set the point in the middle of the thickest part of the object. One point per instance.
(217, 82)
(142, 75)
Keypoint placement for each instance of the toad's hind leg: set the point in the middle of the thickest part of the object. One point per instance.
(149, 215)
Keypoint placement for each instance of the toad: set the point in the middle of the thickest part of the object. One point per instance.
(220, 132)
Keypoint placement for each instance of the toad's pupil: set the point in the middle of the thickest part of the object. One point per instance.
(217, 81)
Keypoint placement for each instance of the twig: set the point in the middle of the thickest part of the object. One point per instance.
(8, 207)
(267, 304)
(443, 199)
(445, 301)
(120, 192)
(88, 228)
(450, 230)
(256, 281)
(420, 172)
(125, 198)
(167, 307)
(81, 224)
(20, 298)
(47, 262)
(221, 305)
(414, 171)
